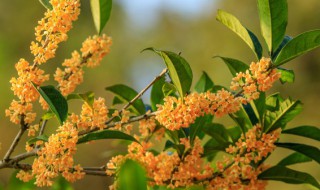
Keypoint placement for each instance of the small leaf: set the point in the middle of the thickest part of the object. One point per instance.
(179, 70)
(46, 4)
(204, 83)
(43, 138)
(246, 35)
(273, 21)
(101, 10)
(178, 147)
(235, 66)
(309, 151)
(281, 173)
(87, 97)
(57, 103)
(106, 134)
(294, 158)
(126, 94)
(132, 176)
(48, 115)
(305, 131)
(286, 75)
(157, 96)
(168, 89)
(299, 45)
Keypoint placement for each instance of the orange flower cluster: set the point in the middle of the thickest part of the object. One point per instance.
(260, 76)
(93, 49)
(53, 28)
(56, 156)
(177, 113)
(22, 87)
(93, 116)
(249, 150)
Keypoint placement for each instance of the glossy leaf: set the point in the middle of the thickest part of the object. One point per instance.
(168, 89)
(126, 94)
(234, 133)
(57, 103)
(48, 115)
(156, 96)
(101, 10)
(299, 45)
(305, 131)
(242, 119)
(273, 21)
(246, 35)
(204, 83)
(46, 4)
(179, 70)
(286, 75)
(132, 176)
(106, 134)
(294, 158)
(281, 173)
(43, 138)
(250, 113)
(309, 151)
(87, 97)
(259, 106)
(217, 131)
(285, 40)
(197, 126)
(212, 146)
(280, 115)
(235, 66)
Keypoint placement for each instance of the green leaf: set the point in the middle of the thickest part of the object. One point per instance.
(242, 119)
(281, 114)
(168, 89)
(157, 96)
(204, 83)
(235, 133)
(299, 45)
(294, 158)
(106, 134)
(43, 138)
(87, 97)
(61, 183)
(285, 40)
(132, 176)
(305, 131)
(217, 131)
(213, 145)
(259, 106)
(57, 103)
(101, 10)
(246, 35)
(310, 151)
(235, 66)
(48, 115)
(178, 147)
(46, 4)
(17, 184)
(197, 126)
(281, 173)
(126, 94)
(179, 70)
(286, 75)
(273, 21)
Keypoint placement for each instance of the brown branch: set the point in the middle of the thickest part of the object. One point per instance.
(14, 144)
(43, 125)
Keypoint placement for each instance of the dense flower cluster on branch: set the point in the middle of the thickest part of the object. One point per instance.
(175, 113)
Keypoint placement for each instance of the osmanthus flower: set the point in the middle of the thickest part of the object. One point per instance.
(92, 51)
(20, 110)
(93, 116)
(53, 27)
(56, 157)
(176, 113)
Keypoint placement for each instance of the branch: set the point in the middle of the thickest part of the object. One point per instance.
(14, 143)
(43, 125)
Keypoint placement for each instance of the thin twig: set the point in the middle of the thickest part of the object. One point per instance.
(140, 94)
(43, 125)
(14, 144)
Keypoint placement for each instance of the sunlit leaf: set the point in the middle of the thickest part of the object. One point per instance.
(46, 4)
(305, 131)
(179, 70)
(101, 10)
(281, 173)
(286, 75)
(273, 21)
(132, 176)
(157, 96)
(235, 66)
(285, 40)
(294, 158)
(299, 45)
(106, 134)
(87, 97)
(57, 103)
(126, 94)
(246, 35)
(43, 138)
(168, 89)
(309, 151)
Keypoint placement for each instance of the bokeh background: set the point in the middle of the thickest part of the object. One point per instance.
(186, 26)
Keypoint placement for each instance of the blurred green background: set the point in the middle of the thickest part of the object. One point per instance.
(188, 27)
